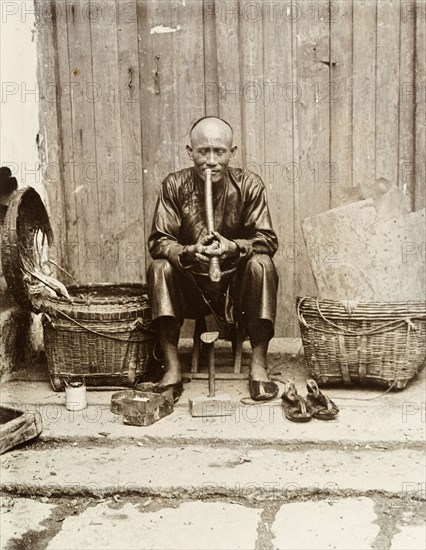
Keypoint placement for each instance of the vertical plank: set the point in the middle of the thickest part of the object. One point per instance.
(292, 252)
(131, 238)
(364, 91)
(67, 96)
(340, 172)
(210, 80)
(406, 104)
(251, 86)
(107, 138)
(387, 90)
(278, 178)
(229, 77)
(312, 131)
(82, 188)
(50, 149)
(69, 222)
(188, 73)
(157, 102)
(420, 108)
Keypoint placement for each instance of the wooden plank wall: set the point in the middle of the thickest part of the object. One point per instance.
(323, 96)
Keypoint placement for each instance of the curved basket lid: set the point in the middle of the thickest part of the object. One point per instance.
(26, 229)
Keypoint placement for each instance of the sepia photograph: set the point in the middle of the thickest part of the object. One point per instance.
(212, 274)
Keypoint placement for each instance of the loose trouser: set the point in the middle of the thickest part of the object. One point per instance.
(247, 294)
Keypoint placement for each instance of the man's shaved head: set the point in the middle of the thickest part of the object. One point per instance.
(207, 118)
(211, 125)
(211, 146)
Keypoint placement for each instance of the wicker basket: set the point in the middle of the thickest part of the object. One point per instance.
(104, 335)
(363, 343)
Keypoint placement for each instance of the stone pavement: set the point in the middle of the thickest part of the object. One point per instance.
(252, 480)
(154, 523)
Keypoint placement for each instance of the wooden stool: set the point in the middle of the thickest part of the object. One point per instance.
(237, 339)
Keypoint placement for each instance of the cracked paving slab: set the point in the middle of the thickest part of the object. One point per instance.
(192, 525)
(347, 524)
(18, 516)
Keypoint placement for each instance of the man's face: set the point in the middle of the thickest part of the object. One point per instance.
(211, 147)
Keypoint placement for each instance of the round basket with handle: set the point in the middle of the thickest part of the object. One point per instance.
(101, 332)
(26, 231)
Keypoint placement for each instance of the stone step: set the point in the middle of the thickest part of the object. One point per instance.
(368, 417)
(199, 472)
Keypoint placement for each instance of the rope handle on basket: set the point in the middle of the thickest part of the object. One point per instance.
(386, 327)
(140, 322)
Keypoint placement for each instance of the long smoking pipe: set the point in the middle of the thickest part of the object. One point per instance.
(214, 268)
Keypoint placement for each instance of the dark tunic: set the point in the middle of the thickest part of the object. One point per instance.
(240, 211)
(241, 214)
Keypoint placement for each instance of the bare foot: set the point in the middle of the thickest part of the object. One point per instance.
(172, 365)
(171, 376)
(258, 372)
(259, 362)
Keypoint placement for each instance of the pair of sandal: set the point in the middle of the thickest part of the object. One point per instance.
(302, 409)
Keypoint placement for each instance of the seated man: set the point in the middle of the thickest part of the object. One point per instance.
(178, 283)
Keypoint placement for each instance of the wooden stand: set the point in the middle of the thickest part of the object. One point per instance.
(213, 405)
(17, 427)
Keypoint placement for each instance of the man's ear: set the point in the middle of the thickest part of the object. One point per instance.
(233, 150)
(189, 151)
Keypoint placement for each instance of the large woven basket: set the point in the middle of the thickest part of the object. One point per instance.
(363, 343)
(104, 335)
